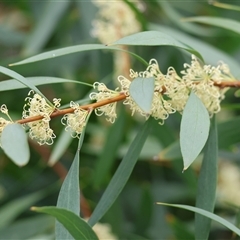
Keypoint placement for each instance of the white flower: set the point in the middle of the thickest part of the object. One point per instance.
(75, 122)
(115, 20)
(38, 106)
(109, 110)
(201, 80)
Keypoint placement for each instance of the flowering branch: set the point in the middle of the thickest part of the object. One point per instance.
(87, 107)
(120, 97)
(171, 93)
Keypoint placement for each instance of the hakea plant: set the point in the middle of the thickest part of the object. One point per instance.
(170, 95)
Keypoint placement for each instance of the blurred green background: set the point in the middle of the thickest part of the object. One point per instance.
(31, 27)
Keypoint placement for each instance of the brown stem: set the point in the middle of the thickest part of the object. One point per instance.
(121, 96)
(234, 84)
(91, 106)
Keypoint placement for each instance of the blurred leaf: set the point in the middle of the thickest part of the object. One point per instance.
(194, 129)
(144, 214)
(69, 195)
(176, 18)
(207, 183)
(171, 152)
(73, 49)
(179, 228)
(142, 90)
(61, 145)
(26, 228)
(12, 209)
(45, 27)
(226, 23)
(22, 80)
(210, 54)
(154, 38)
(164, 133)
(205, 213)
(15, 144)
(229, 133)
(75, 225)
(10, 37)
(224, 5)
(12, 84)
(109, 150)
(122, 174)
(237, 93)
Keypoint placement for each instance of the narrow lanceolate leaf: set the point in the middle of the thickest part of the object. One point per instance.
(76, 226)
(73, 49)
(207, 183)
(154, 38)
(205, 213)
(69, 196)
(109, 150)
(14, 143)
(122, 174)
(12, 84)
(45, 27)
(142, 90)
(194, 129)
(228, 24)
(21, 79)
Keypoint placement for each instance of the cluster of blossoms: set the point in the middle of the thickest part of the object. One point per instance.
(115, 20)
(171, 91)
(170, 95)
(38, 106)
(76, 121)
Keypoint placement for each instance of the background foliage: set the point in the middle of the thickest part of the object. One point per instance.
(29, 28)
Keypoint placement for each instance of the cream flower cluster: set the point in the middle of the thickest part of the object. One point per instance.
(109, 110)
(171, 91)
(37, 106)
(75, 122)
(115, 20)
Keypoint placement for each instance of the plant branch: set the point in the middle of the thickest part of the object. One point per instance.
(88, 107)
(120, 97)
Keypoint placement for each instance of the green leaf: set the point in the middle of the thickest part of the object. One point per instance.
(25, 228)
(122, 174)
(210, 54)
(73, 49)
(61, 145)
(179, 228)
(22, 80)
(171, 152)
(12, 209)
(45, 27)
(109, 150)
(75, 225)
(206, 214)
(194, 129)
(176, 17)
(226, 23)
(207, 183)
(69, 195)
(154, 38)
(14, 143)
(224, 5)
(229, 133)
(13, 84)
(142, 90)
